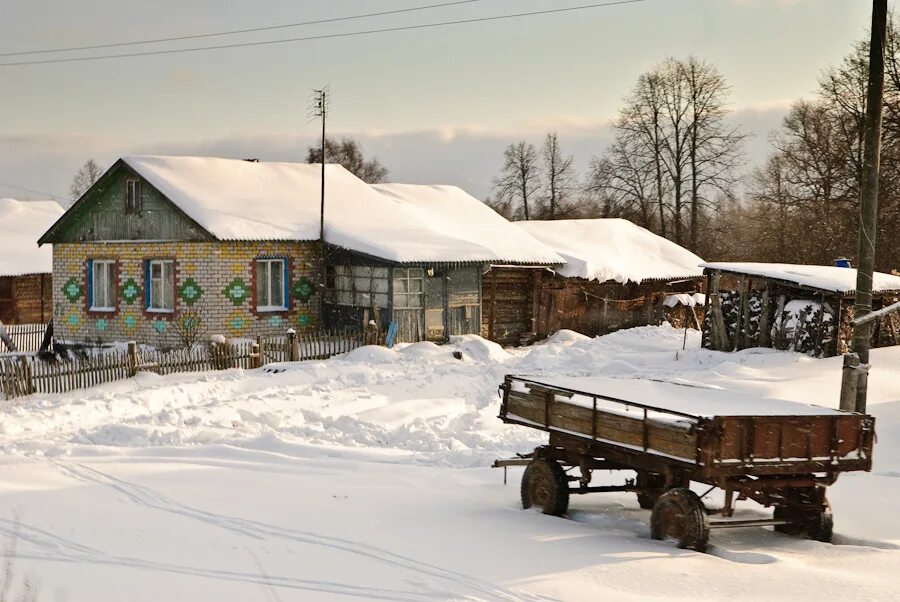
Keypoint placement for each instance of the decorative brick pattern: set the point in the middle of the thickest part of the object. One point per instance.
(212, 282)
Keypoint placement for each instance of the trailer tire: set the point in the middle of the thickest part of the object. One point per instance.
(680, 515)
(545, 485)
(650, 486)
(816, 522)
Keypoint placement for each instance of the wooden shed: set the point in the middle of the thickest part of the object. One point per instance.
(803, 308)
(617, 275)
(26, 282)
(424, 270)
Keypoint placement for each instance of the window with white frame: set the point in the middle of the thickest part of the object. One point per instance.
(103, 285)
(359, 285)
(161, 296)
(408, 287)
(132, 196)
(270, 285)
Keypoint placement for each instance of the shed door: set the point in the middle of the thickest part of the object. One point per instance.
(435, 307)
(7, 300)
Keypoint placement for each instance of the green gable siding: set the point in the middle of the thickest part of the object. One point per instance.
(101, 216)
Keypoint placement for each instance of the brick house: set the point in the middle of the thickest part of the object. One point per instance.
(26, 282)
(163, 245)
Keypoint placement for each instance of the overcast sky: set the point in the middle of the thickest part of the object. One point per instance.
(435, 105)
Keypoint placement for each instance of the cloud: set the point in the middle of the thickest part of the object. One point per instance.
(467, 156)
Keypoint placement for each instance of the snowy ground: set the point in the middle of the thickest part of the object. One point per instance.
(365, 477)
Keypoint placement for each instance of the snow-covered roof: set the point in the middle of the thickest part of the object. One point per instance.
(243, 200)
(822, 277)
(613, 249)
(469, 222)
(21, 224)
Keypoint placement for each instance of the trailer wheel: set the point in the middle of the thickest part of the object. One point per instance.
(679, 515)
(650, 486)
(814, 521)
(545, 485)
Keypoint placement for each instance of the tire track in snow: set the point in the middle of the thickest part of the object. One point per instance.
(57, 549)
(148, 498)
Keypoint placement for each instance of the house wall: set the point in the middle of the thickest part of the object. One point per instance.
(522, 305)
(222, 274)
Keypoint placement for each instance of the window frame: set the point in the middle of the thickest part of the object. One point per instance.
(406, 276)
(268, 262)
(163, 283)
(133, 195)
(111, 296)
(359, 286)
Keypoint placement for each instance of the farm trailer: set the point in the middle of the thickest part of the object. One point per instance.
(779, 453)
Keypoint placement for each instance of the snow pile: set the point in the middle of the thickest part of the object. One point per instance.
(822, 277)
(245, 200)
(613, 249)
(21, 224)
(365, 477)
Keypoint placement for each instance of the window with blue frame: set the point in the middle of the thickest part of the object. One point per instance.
(102, 284)
(161, 289)
(271, 284)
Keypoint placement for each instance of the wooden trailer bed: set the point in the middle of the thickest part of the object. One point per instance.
(777, 452)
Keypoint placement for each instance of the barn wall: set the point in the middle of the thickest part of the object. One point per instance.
(508, 304)
(32, 299)
(521, 305)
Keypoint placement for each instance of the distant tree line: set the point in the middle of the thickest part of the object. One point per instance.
(671, 167)
(803, 203)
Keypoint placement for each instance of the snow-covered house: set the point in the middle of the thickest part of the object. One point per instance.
(805, 308)
(163, 244)
(26, 283)
(616, 275)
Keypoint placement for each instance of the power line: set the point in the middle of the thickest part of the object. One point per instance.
(326, 36)
(239, 31)
(31, 190)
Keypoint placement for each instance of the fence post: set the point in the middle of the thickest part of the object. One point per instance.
(132, 358)
(294, 344)
(255, 355)
(26, 374)
(849, 382)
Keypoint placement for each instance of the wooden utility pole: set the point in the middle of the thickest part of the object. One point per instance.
(319, 110)
(862, 332)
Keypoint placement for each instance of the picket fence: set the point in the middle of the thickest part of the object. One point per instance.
(302, 347)
(26, 337)
(24, 374)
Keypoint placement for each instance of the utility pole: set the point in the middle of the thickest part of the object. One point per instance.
(319, 110)
(862, 332)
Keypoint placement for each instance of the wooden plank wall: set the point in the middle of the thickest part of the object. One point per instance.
(31, 300)
(521, 305)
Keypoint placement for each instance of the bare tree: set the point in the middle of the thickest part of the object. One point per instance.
(348, 153)
(559, 174)
(84, 178)
(673, 149)
(714, 149)
(520, 178)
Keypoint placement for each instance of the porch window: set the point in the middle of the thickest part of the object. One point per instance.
(132, 196)
(102, 284)
(361, 286)
(408, 287)
(271, 280)
(161, 276)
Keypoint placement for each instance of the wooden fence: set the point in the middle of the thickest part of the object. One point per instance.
(26, 337)
(310, 346)
(25, 374)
